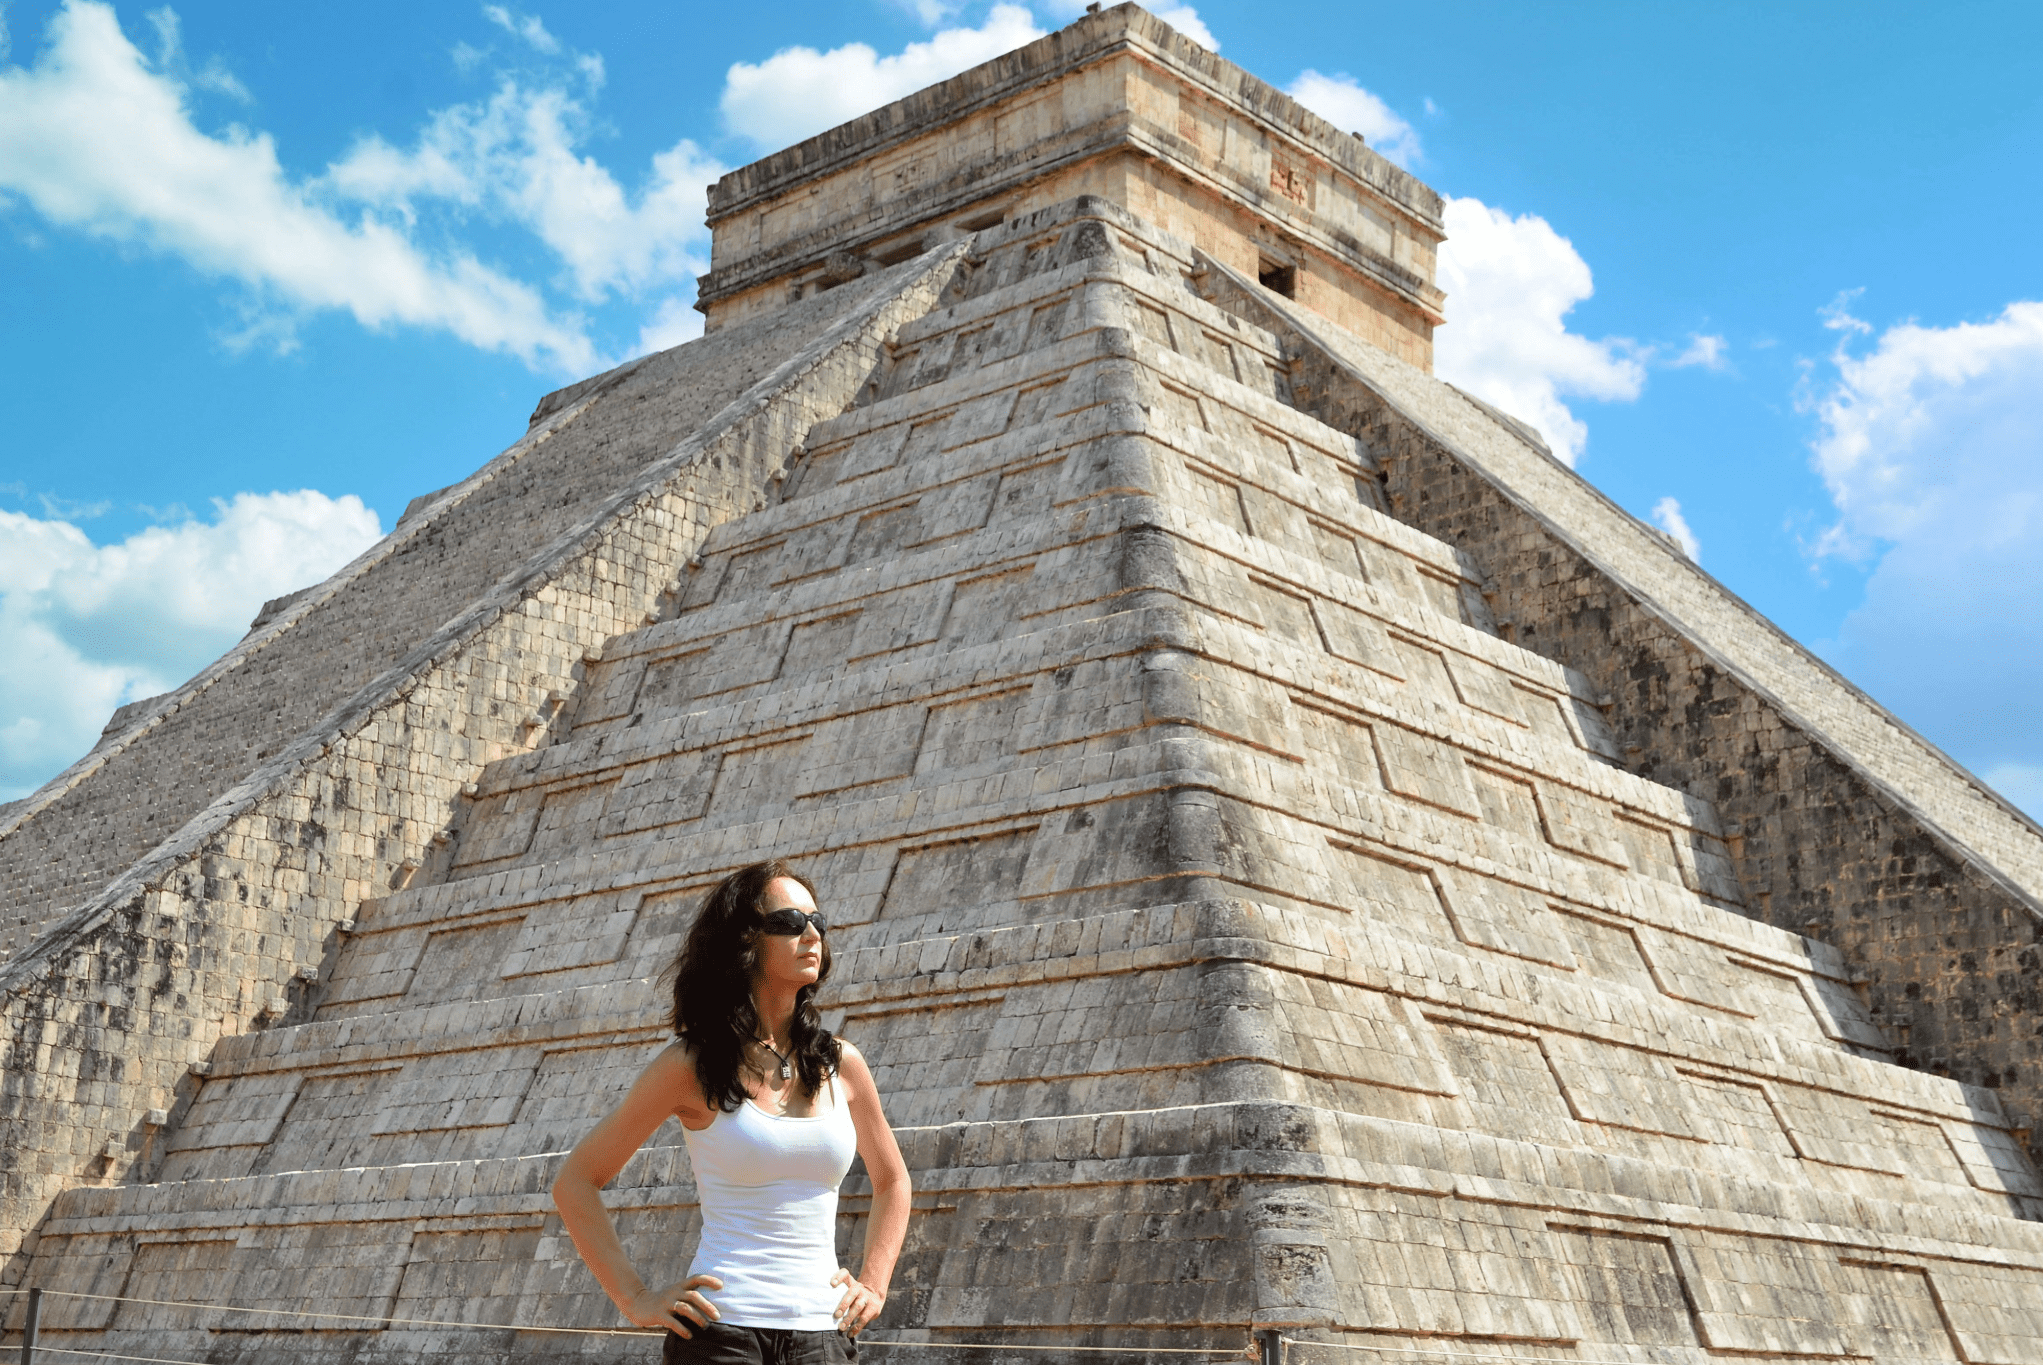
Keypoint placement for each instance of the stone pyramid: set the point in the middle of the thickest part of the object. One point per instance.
(1298, 857)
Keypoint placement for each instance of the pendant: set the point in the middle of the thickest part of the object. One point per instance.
(786, 1071)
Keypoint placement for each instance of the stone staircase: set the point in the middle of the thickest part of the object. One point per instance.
(1240, 928)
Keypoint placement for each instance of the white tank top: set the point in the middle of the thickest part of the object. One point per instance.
(769, 1212)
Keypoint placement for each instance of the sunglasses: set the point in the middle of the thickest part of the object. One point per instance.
(792, 921)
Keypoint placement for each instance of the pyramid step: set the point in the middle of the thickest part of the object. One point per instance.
(956, 1158)
(276, 684)
(992, 585)
(496, 1078)
(745, 641)
(537, 918)
(407, 1242)
(426, 1083)
(1265, 585)
(548, 917)
(1040, 696)
(1242, 928)
(652, 664)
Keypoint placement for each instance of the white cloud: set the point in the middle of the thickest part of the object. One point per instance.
(1838, 317)
(930, 12)
(1667, 516)
(170, 59)
(798, 91)
(515, 154)
(96, 140)
(523, 26)
(1510, 284)
(85, 628)
(1186, 20)
(1341, 101)
(1706, 351)
(1931, 445)
(214, 76)
(68, 509)
(1932, 417)
(672, 323)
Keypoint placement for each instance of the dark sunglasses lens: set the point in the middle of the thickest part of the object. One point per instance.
(790, 922)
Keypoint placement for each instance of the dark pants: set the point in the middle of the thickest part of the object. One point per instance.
(722, 1344)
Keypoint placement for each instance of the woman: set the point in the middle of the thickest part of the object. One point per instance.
(771, 1107)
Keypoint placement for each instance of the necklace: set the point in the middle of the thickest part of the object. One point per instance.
(785, 1059)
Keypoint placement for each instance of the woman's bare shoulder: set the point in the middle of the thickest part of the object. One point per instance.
(851, 1064)
(669, 1081)
(673, 1068)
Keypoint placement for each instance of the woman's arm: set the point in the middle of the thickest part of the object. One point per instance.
(666, 1086)
(886, 1226)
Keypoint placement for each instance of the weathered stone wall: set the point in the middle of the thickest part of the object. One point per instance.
(122, 800)
(221, 927)
(1951, 953)
(1247, 928)
(1119, 105)
(1243, 933)
(1953, 962)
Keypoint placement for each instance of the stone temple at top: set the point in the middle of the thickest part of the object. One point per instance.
(1299, 857)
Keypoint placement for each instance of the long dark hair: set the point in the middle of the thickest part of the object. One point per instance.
(713, 1010)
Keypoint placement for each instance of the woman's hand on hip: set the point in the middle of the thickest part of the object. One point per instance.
(677, 1307)
(860, 1305)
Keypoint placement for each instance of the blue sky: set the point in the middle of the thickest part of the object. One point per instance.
(1767, 273)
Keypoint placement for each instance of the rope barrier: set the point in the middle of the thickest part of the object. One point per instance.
(1448, 1354)
(575, 1331)
(958, 1346)
(1017, 1346)
(358, 1317)
(1289, 1341)
(1451, 1354)
(41, 1349)
(1456, 1353)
